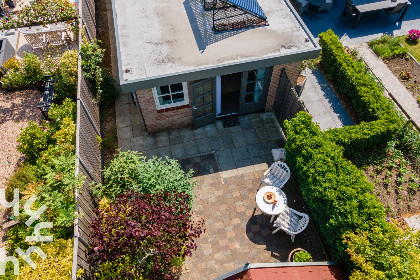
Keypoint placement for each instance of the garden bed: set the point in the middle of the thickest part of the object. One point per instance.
(407, 71)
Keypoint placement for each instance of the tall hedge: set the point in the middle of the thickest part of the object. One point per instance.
(337, 193)
(380, 119)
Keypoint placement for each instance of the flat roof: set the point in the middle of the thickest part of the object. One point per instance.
(168, 41)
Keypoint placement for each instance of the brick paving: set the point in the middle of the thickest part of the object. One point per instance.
(228, 165)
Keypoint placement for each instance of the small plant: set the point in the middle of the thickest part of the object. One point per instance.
(302, 256)
(405, 75)
(387, 46)
(413, 35)
(66, 85)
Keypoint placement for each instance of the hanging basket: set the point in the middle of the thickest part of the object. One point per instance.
(293, 253)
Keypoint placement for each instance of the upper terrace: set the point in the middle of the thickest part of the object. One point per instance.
(162, 42)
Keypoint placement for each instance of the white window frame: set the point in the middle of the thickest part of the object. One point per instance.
(177, 104)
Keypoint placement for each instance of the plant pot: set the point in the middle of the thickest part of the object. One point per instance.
(293, 252)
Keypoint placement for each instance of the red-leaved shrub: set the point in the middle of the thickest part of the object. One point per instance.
(147, 235)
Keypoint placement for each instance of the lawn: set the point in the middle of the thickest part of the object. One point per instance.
(412, 47)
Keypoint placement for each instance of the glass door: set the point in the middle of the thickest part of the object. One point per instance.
(203, 95)
(254, 90)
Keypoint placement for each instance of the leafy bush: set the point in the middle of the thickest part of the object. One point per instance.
(66, 76)
(302, 256)
(58, 113)
(12, 63)
(146, 235)
(32, 141)
(57, 265)
(387, 46)
(379, 254)
(130, 171)
(28, 74)
(23, 176)
(337, 193)
(101, 81)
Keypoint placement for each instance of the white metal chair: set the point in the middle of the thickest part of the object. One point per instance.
(291, 221)
(277, 175)
(55, 38)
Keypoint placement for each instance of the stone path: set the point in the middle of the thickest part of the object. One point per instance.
(395, 88)
(413, 222)
(322, 103)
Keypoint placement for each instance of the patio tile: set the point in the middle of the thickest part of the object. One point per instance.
(187, 136)
(245, 122)
(137, 130)
(235, 129)
(227, 166)
(175, 139)
(224, 156)
(244, 163)
(214, 143)
(239, 139)
(255, 150)
(227, 141)
(251, 136)
(162, 140)
(178, 151)
(149, 142)
(151, 153)
(203, 146)
(199, 133)
(164, 152)
(190, 149)
(240, 153)
(123, 121)
(262, 134)
(211, 130)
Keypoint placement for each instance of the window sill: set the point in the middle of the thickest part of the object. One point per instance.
(173, 108)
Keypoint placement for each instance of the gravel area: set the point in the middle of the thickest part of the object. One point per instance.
(16, 110)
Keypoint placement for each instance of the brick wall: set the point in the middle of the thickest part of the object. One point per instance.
(160, 120)
(292, 71)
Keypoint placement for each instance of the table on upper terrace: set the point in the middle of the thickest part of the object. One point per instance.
(365, 6)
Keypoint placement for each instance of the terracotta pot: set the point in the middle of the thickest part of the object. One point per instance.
(293, 252)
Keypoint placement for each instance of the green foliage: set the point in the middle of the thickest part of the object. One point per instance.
(100, 80)
(337, 193)
(32, 141)
(132, 171)
(23, 176)
(387, 46)
(57, 192)
(66, 76)
(116, 270)
(379, 254)
(12, 63)
(58, 113)
(28, 74)
(302, 256)
(57, 265)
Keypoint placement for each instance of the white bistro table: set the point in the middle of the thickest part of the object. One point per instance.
(269, 208)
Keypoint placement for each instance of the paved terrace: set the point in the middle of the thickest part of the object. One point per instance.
(370, 26)
(228, 165)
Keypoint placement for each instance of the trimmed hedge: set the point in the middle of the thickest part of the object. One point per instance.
(336, 192)
(351, 79)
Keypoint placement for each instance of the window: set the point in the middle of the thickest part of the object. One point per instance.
(171, 96)
(254, 85)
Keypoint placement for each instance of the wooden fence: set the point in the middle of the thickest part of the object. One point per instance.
(287, 102)
(89, 157)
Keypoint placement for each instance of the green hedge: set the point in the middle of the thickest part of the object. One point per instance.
(336, 192)
(350, 78)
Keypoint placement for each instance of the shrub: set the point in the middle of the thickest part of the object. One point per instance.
(58, 113)
(131, 171)
(23, 176)
(379, 254)
(387, 46)
(108, 90)
(413, 35)
(66, 77)
(302, 256)
(28, 74)
(143, 234)
(57, 265)
(337, 193)
(32, 141)
(12, 63)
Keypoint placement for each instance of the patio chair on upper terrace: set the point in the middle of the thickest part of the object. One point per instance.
(349, 9)
(291, 221)
(396, 10)
(35, 41)
(277, 175)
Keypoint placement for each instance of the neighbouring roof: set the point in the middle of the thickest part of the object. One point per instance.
(295, 272)
(170, 41)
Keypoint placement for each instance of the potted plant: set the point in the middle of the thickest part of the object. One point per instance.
(300, 255)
